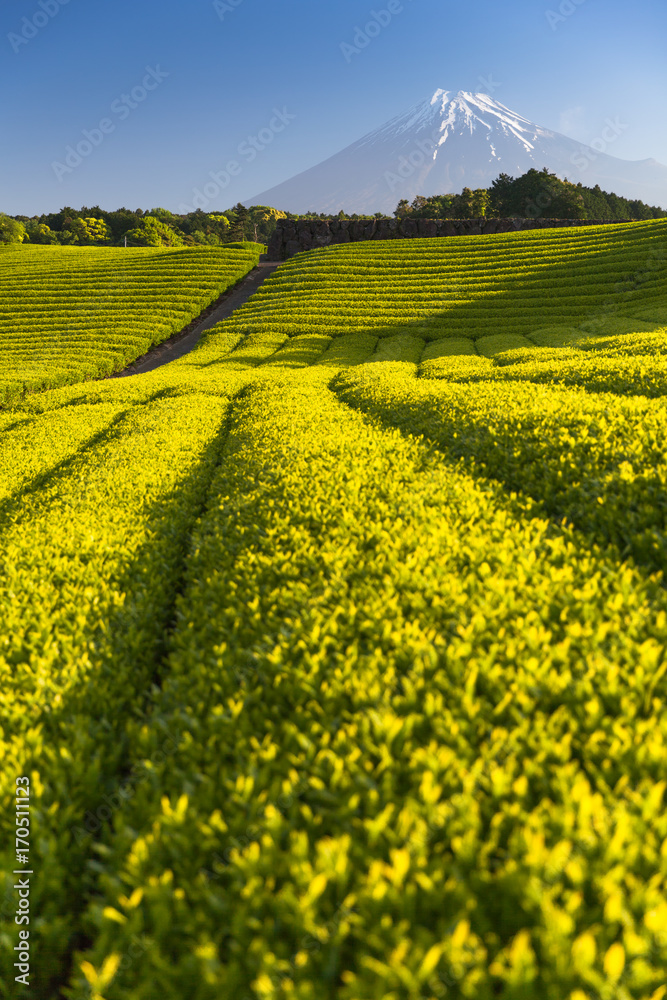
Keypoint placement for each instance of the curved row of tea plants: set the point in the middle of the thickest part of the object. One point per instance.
(593, 458)
(69, 314)
(511, 286)
(395, 776)
(97, 502)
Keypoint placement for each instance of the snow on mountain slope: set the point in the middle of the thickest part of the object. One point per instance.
(452, 141)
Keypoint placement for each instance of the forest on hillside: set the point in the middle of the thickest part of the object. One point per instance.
(537, 194)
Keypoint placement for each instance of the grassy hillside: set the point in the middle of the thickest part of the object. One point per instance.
(68, 314)
(513, 285)
(335, 651)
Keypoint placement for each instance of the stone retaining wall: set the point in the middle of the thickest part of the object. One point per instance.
(293, 237)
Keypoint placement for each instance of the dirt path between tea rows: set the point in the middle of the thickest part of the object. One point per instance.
(183, 342)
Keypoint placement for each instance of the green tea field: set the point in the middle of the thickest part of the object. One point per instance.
(71, 313)
(335, 652)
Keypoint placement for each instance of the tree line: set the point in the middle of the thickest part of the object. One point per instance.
(537, 194)
(155, 228)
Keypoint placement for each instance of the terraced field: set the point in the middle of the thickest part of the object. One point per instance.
(336, 651)
(512, 287)
(70, 314)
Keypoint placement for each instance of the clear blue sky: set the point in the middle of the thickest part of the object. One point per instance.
(229, 69)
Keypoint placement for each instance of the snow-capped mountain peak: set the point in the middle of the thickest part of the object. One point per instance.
(449, 141)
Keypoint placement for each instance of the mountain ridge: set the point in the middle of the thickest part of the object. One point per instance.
(445, 143)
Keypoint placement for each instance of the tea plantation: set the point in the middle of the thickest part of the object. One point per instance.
(72, 313)
(336, 651)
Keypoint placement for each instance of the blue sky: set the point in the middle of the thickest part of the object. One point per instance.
(181, 84)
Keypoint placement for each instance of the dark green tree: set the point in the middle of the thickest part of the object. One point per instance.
(537, 194)
(240, 221)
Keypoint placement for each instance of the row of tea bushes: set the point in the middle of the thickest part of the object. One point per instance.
(420, 740)
(73, 313)
(474, 287)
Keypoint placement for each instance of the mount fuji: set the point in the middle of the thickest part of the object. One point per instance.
(451, 141)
